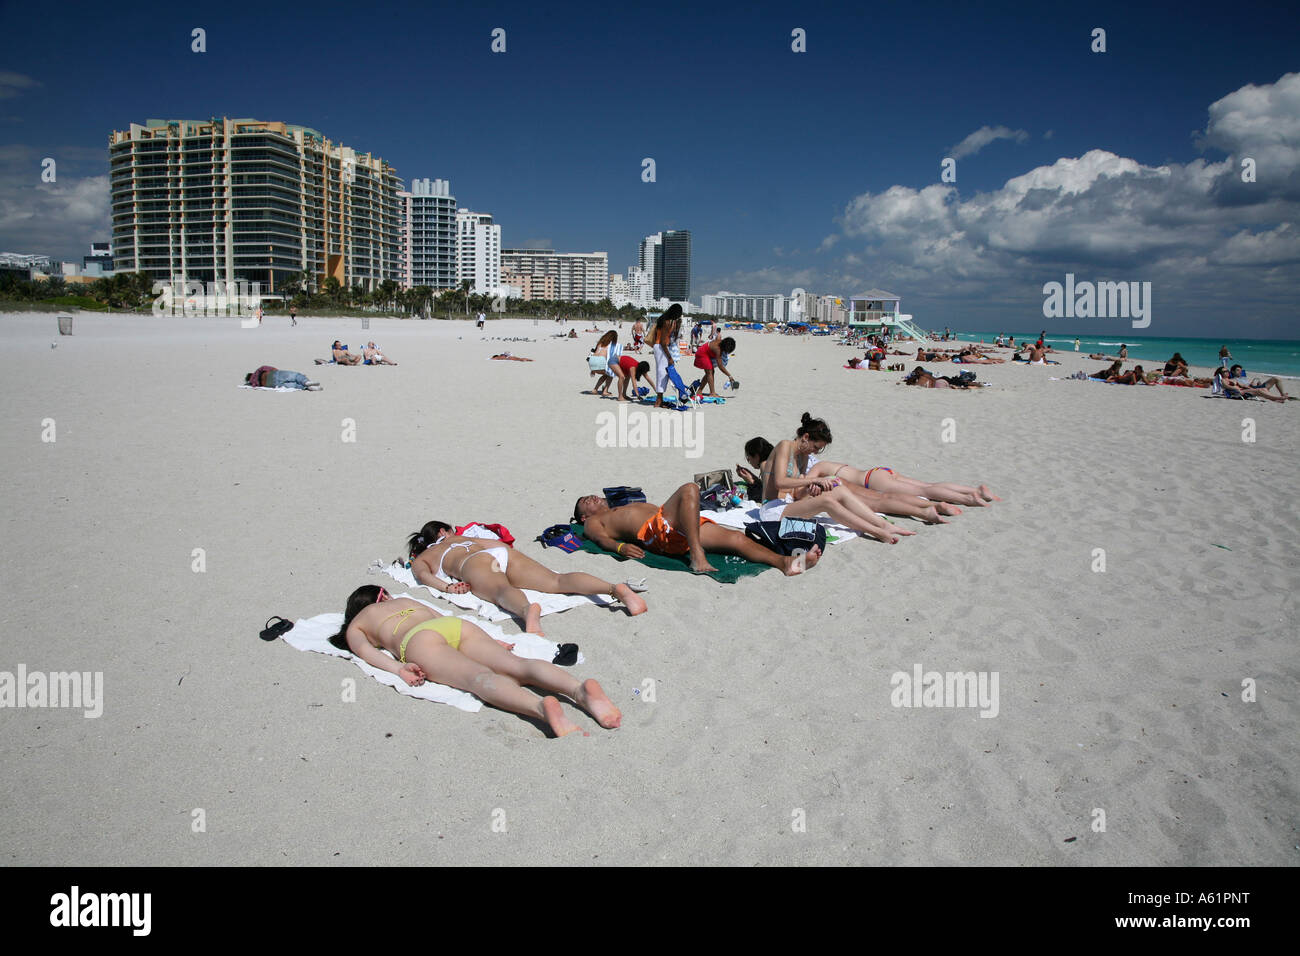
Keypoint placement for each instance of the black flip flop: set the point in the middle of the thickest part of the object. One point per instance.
(272, 631)
(566, 655)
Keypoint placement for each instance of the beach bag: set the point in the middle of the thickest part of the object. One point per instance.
(787, 535)
(623, 495)
(966, 375)
(719, 477)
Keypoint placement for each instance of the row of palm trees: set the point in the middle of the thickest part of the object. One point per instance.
(134, 290)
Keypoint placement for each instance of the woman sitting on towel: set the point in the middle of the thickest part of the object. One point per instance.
(759, 450)
(789, 492)
(448, 650)
(886, 480)
(450, 563)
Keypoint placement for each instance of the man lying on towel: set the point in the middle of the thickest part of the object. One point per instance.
(676, 528)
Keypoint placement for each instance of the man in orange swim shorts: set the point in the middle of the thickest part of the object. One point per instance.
(676, 528)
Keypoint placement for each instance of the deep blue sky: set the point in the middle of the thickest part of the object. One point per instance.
(759, 150)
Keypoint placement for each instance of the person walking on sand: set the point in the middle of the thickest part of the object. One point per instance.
(293, 316)
(675, 528)
(1224, 356)
(425, 645)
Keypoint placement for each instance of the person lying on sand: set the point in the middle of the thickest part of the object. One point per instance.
(342, 356)
(758, 451)
(507, 357)
(869, 365)
(1237, 377)
(1134, 377)
(447, 650)
(1115, 368)
(789, 491)
(373, 356)
(971, 357)
(269, 377)
(923, 379)
(450, 563)
(676, 528)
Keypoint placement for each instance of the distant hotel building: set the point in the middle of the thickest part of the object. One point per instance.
(478, 251)
(243, 199)
(755, 308)
(529, 287)
(578, 276)
(666, 258)
(429, 235)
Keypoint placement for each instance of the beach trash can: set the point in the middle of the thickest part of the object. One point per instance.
(65, 323)
(365, 322)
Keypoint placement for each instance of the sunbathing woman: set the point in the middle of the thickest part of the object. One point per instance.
(1105, 374)
(1240, 389)
(889, 482)
(1176, 366)
(789, 492)
(450, 563)
(448, 650)
(923, 379)
(759, 450)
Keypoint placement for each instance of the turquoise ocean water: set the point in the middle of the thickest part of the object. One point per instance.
(1271, 356)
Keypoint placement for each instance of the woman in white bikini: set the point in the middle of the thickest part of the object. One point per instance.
(450, 563)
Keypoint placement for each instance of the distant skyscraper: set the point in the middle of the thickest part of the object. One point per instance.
(666, 257)
(429, 235)
(478, 251)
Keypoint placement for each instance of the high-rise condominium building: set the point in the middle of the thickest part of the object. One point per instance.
(478, 251)
(243, 199)
(429, 235)
(579, 276)
(666, 256)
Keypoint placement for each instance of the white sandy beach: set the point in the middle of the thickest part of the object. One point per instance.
(1119, 691)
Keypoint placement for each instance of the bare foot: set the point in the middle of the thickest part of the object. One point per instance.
(946, 509)
(700, 564)
(634, 603)
(987, 495)
(533, 620)
(597, 703)
(799, 563)
(931, 516)
(555, 716)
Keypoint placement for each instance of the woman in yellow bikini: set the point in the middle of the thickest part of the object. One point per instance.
(450, 563)
(447, 650)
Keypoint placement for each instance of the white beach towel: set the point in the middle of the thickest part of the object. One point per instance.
(282, 388)
(313, 634)
(550, 603)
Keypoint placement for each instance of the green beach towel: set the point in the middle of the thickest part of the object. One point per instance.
(730, 568)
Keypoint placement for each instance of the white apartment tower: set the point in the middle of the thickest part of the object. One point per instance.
(478, 251)
(429, 235)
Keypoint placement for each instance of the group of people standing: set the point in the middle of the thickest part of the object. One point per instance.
(610, 364)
